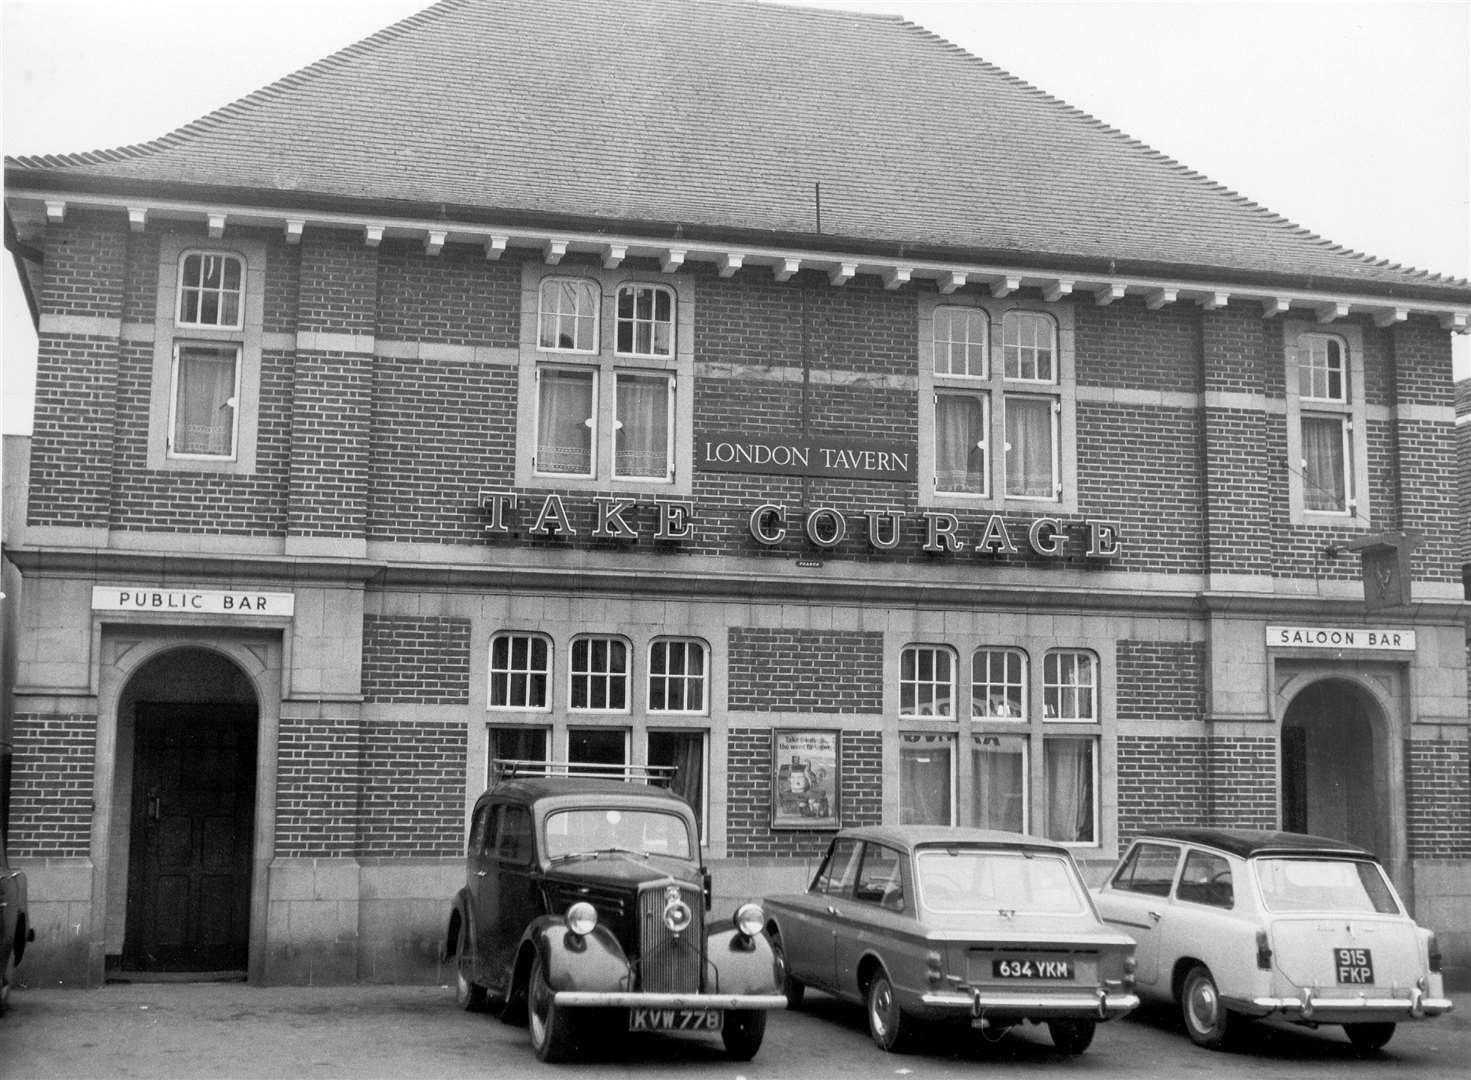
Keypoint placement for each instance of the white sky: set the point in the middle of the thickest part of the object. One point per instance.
(1351, 119)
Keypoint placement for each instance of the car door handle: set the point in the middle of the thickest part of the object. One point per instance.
(1154, 916)
(481, 873)
(831, 910)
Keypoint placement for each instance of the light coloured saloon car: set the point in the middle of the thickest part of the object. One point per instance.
(929, 924)
(1233, 924)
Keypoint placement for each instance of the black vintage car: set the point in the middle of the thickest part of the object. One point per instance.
(585, 905)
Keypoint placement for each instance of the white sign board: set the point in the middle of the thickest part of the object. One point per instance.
(193, 601)
(1381, 638)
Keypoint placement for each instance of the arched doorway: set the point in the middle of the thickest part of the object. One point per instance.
(185, 785)
(1335, 767)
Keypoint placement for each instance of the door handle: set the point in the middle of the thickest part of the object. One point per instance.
(479, 873)
(1154, 916)
(154, 811)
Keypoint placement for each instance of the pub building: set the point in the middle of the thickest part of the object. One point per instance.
(783, 395)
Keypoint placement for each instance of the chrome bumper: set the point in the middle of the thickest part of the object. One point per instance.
(627, 999)
(1330, 1010)
(1101, 1005)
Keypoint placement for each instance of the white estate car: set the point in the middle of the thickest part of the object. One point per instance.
(1237, 923)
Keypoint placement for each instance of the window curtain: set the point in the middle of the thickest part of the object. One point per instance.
(204, 410)
(564, 422)
(685, 750)
(643, 427)
(1029, 445)
(1069, 777)
(1323, 465)
(1000, 763)
(960, 456)
(924, 781)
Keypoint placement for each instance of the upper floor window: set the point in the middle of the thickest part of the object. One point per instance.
(211, 290)
(205, 390)
(999, 684)
(645, 321)
(1070, 686)
(996, 410)
(677, 676)
(520, 671)
(599, 671)
(1327, 441)
(927, 682)
(568, 320)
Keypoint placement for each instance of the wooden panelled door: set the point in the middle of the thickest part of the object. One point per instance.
(193, 816)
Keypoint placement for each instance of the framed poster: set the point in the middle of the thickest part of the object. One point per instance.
(806, 786)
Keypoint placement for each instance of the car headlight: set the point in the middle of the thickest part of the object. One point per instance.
(749, 919)
(582, 917)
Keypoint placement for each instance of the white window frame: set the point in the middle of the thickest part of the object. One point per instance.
(233, 401)
(635, 322)
(1095, 753)
(587, 293)
(184, 286)
(634, 373)
(703, 680)
(607, 674)
(933, 684)
(1026, 737)
(1350, 411)
(1060, 687)
(590, 422)
(931, 738)
(982, 690)
(983, 443)
(547, 673)
(944, 319)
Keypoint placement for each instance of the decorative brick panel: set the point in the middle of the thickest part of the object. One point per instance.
(51, 784)
(1438, 796)
(454, 298)
(748, 795)
(413, 788)
(1161, 680)
(318, 787)
(84, 266)
(1243, 782)
(72, 445)
(1162, 781)
(409, 659)
(338, 286)
(805, 671)
(331, 407)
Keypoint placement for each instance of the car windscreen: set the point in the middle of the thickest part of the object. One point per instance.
(1307, 884)
(588, 829)
(983, 879)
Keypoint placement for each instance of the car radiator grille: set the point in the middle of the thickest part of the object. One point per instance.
(670, 963)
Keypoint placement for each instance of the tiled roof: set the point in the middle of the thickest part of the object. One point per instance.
(721, 117)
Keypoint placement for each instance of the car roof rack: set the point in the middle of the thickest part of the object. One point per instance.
(520, 768)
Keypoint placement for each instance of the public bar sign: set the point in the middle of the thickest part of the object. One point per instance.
(192, 601)
(1380, 638)
(855, 459)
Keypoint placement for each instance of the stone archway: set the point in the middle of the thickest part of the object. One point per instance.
(1336, 766)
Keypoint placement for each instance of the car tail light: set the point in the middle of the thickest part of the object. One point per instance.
(934, 968)
(1263, 951)
(1433, 945)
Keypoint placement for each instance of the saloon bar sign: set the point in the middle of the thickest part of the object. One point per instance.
(774, 524)
(855, 459)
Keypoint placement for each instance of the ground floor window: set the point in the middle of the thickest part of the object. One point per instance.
(1071, 773)
(926, 779)
(687, 752)
(516, 744)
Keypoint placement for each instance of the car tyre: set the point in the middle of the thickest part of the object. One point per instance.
(742, 1034)
(890, 1028)
(1368, 1037)
(469, 995)
(794, 988)
(1207, 1020)
(551, 1027)
(1072, 1036)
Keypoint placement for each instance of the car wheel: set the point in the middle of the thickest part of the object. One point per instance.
(469, 995)
(551, 1027)
(1072, 1036)
(1207, 1020)
(742, 1034)
(794, 988)
(1368, 1036)
(890, 1028)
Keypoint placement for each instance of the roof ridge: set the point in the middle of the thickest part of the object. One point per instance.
(182, 134)
(1270, 216)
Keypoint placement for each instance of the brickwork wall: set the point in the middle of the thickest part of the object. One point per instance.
(51, 796)
(1160, 680)
(416, 660)
(84, 269)
(331, 403)
(413, 788)
(318, 787)
(804, 671)
(338, 284)
(1243, 782)
(74, 424)
(1124, 346)
(1438, 798)
(1162, 781)
(454, 298)
(749, 795)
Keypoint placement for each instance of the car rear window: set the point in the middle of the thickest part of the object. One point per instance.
(1351, 885)
(962, 879)
(588, 829)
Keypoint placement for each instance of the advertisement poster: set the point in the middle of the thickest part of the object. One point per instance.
(805, 784)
